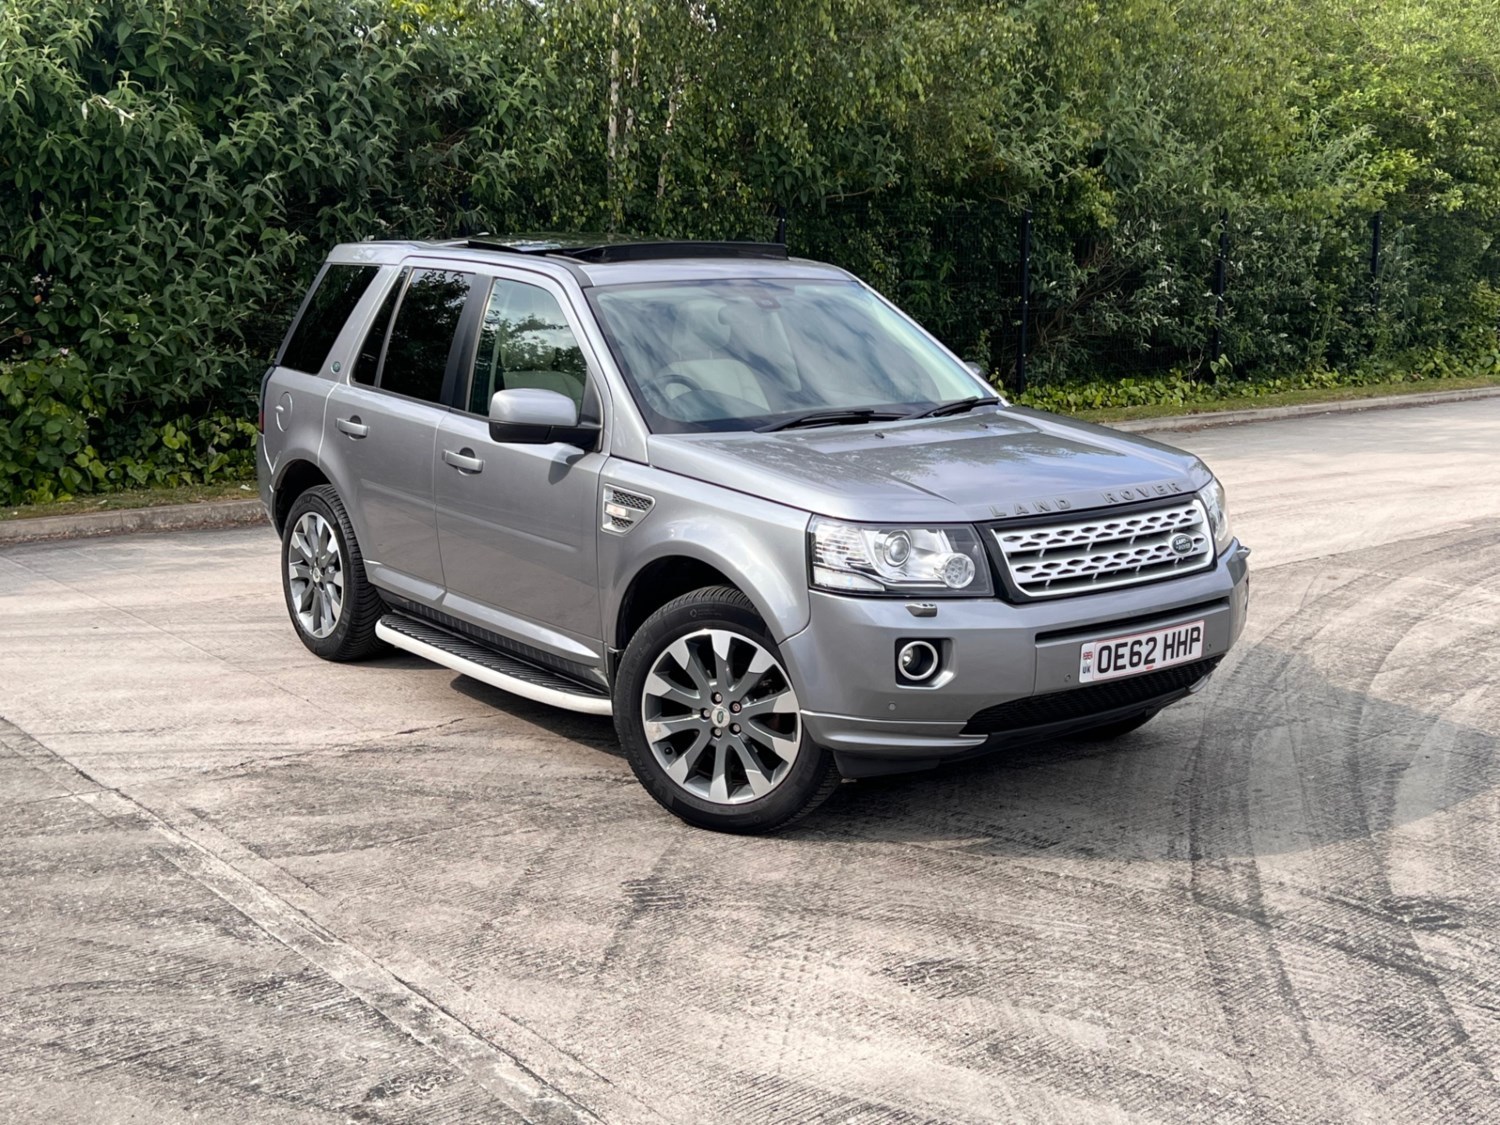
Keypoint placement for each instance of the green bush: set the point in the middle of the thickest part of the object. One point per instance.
(172, 173)
(59, 438)
(170, 176)
(44, 442)
(1185, 389)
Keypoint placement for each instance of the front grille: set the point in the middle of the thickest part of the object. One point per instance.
(1107, 551)
(1082, 702)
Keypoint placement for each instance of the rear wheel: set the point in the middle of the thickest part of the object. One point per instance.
(710, 720)
(331, 603)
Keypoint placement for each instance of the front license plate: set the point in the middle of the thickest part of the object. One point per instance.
(1112, 657)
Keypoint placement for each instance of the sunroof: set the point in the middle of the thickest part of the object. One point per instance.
(605, 249)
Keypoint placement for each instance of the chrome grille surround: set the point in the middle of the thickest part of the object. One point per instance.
(1105, 551)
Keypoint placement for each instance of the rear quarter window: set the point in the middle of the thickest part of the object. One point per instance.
(333, 298)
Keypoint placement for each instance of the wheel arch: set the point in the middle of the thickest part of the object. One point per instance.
(657, 583)
(672, 573)
(296, 478)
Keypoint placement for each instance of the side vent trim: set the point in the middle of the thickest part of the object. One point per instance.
(624, 509)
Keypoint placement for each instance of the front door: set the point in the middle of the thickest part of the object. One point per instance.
(517, 524)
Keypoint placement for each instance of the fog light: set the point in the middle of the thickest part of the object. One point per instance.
(917, 661)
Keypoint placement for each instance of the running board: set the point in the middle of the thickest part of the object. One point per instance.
(488, 666)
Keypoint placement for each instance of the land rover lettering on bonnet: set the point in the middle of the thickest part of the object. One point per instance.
(737, 501)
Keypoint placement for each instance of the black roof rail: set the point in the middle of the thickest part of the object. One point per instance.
(525, 243)
(650, 251)
(588, 250)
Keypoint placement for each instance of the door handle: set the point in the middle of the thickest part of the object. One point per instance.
(352, 426)
(464, 461)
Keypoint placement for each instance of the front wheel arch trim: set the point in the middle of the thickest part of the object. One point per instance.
(731, 575)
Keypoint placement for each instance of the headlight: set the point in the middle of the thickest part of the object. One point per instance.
(1218, 515)
(853, 558)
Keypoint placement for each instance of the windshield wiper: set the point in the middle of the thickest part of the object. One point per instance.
(831, 418)
(957, 406)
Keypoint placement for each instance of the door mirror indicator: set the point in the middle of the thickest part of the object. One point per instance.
(533, 416)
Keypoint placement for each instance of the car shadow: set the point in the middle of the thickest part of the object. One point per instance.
(1271, 758)
(594, 731)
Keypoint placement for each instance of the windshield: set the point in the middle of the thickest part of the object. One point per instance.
(741, 355)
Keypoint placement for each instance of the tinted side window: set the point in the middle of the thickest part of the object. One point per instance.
(337, 292)
(417, 355)
(369, 352)
(525, 341)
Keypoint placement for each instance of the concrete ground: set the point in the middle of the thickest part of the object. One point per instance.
(241, 885)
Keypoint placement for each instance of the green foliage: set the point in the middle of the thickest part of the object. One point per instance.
(44, 441)
(58, 438)
(171, 174)
(1184, 390)
(903, 139)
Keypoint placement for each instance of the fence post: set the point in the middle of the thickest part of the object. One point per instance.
(780, 224)
(1025, 299)
(1377, 221)
(1216, 343)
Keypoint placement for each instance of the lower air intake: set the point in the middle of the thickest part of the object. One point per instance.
(1083, 702)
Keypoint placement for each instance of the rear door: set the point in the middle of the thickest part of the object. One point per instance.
(518, 524)
(382, 428)
(293, 391)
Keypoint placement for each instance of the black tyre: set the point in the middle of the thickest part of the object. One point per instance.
(710, 720)
(1120, 727)
(332, 605)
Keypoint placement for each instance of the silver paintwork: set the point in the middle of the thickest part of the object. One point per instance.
(315, 569)
(518, 539)
(533, 406)
(997, 652)
(521, 535)
(721, 716)
(379, 452)
(936, 470)
(758, 544)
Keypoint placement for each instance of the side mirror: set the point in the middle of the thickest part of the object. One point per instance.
(533, 416)
(978, 369)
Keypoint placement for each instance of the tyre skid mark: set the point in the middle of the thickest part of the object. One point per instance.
(1343, 808)
(1428, 1016)
(444, 1026)
(800, 991)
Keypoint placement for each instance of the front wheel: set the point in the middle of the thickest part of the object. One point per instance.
(710, 721)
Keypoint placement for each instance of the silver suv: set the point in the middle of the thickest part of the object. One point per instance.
(737, 501)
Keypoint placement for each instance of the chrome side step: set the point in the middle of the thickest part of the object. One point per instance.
(491, 667)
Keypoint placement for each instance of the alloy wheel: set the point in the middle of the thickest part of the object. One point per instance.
(315, 566)
(721, 716)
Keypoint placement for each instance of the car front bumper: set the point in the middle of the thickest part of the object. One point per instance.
(843, 665)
